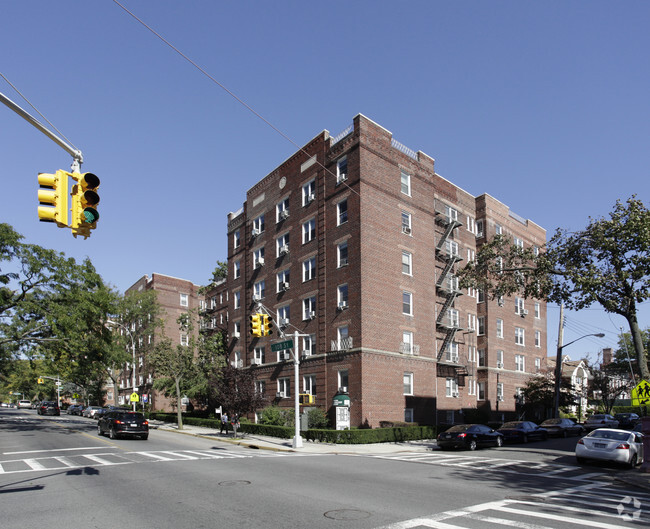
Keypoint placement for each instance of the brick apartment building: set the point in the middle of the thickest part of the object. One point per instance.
(175, 297)
(354, 242)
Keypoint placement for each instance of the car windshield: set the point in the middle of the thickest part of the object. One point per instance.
(551, 422)
(129, 416)
(459, 428)
(512, 425)
(597, 417)
(609, 434)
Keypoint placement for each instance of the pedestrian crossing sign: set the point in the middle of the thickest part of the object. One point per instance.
(135, 397)
(641, 394)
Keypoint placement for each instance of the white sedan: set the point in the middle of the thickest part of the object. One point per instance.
(607, 444)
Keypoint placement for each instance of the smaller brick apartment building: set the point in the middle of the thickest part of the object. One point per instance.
(175, 297)
(354, 242)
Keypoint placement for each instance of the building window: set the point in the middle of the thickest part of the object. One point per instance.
(260, 387)
(408, 383)
(407, 303)
(405, 183)
(237, 299)
(499, 328)
(538, 339)
(259, 290)
(236, 239)
(481, 357)
(258, 225)
(481, 391)
(342, 254)
(309, 308)
(451, 214)
(519, 306)
(283, 280)
(309, 269)
(471, 322)
(406, 223)
(519, 336)
(282, 210)
(308, 344)
(452, 352)
(236, 329)
(282, 245)
(284, 387)
(479, 228)
(343, 379)
(500, 391)
(184, 300)
(498, 229)
(259, 355)
(407, 343)
(519, 243)
(308, 192)
(258, 257)
(451, 387)
(236, 269)
(341, 170)
(537, 310)
(213, 302)
(520, 363)
(308, 231)
(283, 316)
(451, 248)
(481, 296)
(184, 340)
(499, 358)
(342, 296)
(538, 365)
(407, 260)
(342, 212)
(481, 325)
(408, 414)
(309, 384)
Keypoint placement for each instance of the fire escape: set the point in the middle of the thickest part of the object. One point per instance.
(448, 320)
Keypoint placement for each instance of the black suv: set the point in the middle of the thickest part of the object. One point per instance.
(48, 408)
(121, 423)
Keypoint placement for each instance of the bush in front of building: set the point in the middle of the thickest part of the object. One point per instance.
(366, 436)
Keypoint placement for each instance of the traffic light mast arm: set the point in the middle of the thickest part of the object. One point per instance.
(75, 153)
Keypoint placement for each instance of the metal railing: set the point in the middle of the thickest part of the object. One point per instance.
(342, 345)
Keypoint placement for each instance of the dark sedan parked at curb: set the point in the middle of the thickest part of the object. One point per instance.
(123, 423)
(49, 408)
(469, 436)
(561, 427)
(626, 420)
(522, 432)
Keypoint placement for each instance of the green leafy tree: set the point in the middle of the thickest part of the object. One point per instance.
(607, 263)
(606, 383)
(539, 394)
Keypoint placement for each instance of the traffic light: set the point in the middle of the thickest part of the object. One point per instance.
(40, 381)
(305, 398)
(84, 198)
(53, 197)
(267, 325)
(256, 325)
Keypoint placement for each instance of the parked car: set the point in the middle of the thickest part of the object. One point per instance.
(522, 432)
(600, 420)
(120, 423)
(469, 436)
(25, 404)
(90, 411)
(626, 420)
(75, 409)
(49, 408)
(610, 444)
(561, 427)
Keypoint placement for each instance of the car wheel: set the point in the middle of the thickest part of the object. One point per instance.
(633, 461)
(500, 442)
(472, 445)
(111, 433)
(99, 430)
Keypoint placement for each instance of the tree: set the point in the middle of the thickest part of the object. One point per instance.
(539, 394)
(607, 384)
(607, 263)
(237, 393)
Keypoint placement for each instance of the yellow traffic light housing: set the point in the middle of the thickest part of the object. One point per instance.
(267, 325)
(40, 381)
(305, 399)
(53, 197)
(256, 325)
(84, 216)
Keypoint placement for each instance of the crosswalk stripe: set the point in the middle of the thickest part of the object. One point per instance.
(103, 461)
(549, 516)
(34, 464)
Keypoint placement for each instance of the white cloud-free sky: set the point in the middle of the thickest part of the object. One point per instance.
(543, 105)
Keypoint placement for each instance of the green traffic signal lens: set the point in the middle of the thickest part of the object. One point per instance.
(90, 215)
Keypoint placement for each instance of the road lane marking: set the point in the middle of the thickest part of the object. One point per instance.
(53, 450)
(105, 462)
(34, 464)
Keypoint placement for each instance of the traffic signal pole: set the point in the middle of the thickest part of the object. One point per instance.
(75, 153)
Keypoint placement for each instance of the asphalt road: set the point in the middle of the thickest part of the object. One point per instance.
(56, 472)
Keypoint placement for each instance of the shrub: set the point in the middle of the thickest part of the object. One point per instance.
(317, 418)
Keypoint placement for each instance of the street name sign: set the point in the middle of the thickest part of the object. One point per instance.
(281, 346)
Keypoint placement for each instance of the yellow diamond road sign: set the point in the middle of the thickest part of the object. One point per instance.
(641, 394)
(135, 397)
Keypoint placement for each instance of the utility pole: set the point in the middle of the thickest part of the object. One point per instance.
(558, 363)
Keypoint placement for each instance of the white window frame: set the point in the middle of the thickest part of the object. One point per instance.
(451, 387)
(258, 224)
(259, 289)
(538, 338)
(236, 269)
(282, 277)
(184, 300)
(520, 363)
(309, 384)
(342, 260)
(236, 239)
(308, 343)
(519, 306)
(284, 386)
(308, 307)
(405, 183)
(451, 354)
(480, 330)
(499, 324)
(341, 169)
(408, 383)
(520, 336)
(342, 295)
(258, 257)
(407, 263)
(342, 212)
(407, 223)
(284, 313)
(499, 359)
(281, 206)
(309, 230)
(407, 342)
(309, 269)
(236, 299)
(308, 191)
(480, 393)
(407, 303)
(343, 377)
(537, 310)
(259, 354)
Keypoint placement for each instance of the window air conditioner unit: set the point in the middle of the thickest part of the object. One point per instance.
(255, 232)
(500, 365)
(283, 322)
(343, 389)
(311, 197)
(343, 305)
(311, 315)
(284, 286)
(235, 334)
(455, 394)
(257, 297)
(524, 312)
(256, 361)
(279, 395)
(500, 399)
(284, 250)
(284, 214)
(260, 261)
(406, 229)
(341, 178)
(343, 261)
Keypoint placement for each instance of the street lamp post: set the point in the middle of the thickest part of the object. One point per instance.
(558, 371)
(111, 322)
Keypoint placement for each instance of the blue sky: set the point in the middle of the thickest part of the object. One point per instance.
(543, 105)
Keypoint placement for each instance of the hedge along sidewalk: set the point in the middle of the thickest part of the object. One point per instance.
(356, 436)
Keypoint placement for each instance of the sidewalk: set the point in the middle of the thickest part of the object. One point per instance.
(286, 445)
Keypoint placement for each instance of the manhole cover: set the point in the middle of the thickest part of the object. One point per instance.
(347, 514)
(234, 483)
